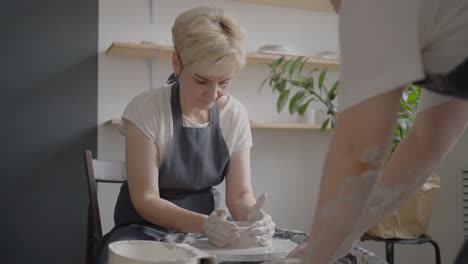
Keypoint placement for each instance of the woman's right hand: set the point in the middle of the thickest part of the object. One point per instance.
(218, 230)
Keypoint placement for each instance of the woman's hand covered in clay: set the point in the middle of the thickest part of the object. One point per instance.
(218, 230)
(262, 226)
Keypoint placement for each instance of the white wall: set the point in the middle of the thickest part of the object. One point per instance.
(286, 164)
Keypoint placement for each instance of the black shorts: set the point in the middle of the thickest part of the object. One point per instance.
(455, 83)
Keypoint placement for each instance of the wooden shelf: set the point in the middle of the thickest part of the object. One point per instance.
(283, 126)
(115, 122)
(313, 5)
(138, 50)
(146, 50)
(263, 59)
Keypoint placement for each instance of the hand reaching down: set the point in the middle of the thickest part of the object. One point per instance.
(218, 230)
(263, 227)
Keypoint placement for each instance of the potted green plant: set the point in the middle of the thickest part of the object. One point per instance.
(297, 87)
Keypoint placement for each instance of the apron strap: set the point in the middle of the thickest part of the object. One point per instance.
(175, 106)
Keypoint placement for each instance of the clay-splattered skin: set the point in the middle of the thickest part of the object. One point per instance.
(359, 189)
(363, 199)
(337, 213)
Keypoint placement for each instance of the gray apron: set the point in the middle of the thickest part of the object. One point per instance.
(198, 159)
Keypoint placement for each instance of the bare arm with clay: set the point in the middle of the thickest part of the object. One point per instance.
(409, 167)
(355, 159)
(142, 171)
(434, 133)
(241, 201)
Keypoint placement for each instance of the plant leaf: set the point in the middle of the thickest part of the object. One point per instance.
(413, 97)
(324, 125)
(404, 95)
(403, 115)
(309, 83)
(274, 78)
(331, 95)
(408, 108)
(303, 62)
(280, 85)
(295, 83)
(301, 110)
(397, 131)
(282, 99)
(402, 124)
(322, 77)
(294, 102)
(396, 139)
(294, 65)
(335, 86)
(276, 63)
(311, 72)
(263, 83)
(408, 123)
(286, 66)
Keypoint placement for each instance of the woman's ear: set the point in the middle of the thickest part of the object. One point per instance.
(176, 63)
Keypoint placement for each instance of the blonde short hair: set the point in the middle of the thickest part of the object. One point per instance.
(209, 41)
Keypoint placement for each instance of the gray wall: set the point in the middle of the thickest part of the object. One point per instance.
(48, 116)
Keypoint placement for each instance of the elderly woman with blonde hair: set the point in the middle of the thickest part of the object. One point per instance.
(186, 137)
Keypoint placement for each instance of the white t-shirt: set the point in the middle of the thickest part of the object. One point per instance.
(151, 112)
(386, 44)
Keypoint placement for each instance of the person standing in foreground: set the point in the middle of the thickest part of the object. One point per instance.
(385, 46)
(186, 137)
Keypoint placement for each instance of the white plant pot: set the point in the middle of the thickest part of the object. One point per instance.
(309, 117)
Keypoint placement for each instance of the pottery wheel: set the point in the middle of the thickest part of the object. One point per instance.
(280, 248)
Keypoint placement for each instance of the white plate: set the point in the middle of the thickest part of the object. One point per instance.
(153, 252)
(279, 249)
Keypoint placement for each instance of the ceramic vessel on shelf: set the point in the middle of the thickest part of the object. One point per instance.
(279, 50)
(329, 55)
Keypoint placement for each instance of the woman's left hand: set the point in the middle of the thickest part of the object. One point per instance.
(263, 227)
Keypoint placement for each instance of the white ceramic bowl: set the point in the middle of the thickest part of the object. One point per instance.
(245, 239)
